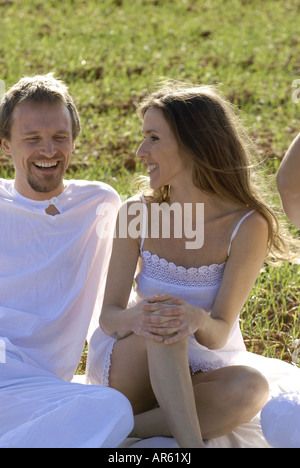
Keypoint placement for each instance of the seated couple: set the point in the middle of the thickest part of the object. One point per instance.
(168, 359)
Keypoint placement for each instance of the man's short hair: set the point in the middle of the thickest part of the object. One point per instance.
(37, 89)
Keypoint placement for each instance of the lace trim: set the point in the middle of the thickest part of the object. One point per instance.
(159, 269)
(107, 364)
(204, 366)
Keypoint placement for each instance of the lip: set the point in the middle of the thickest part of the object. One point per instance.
(46, 166)
(152, 167)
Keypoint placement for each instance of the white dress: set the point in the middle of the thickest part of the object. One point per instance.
(50, 271)
(198, 287)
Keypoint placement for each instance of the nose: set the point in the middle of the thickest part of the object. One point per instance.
(142, 151)
(48, 148)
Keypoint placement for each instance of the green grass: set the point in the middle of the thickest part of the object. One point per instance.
(110, 52)
(270, 318)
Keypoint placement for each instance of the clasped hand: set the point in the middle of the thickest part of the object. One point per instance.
(169, 319)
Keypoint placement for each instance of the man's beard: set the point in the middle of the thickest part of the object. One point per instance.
(47, 183)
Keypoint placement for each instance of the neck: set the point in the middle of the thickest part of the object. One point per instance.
(188, 194)
(213, 204)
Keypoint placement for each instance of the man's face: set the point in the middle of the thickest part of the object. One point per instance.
(40, 145)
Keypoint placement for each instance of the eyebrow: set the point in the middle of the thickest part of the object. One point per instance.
(35, 132)
(150, 131)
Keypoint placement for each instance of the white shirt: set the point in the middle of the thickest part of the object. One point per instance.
(53, 271)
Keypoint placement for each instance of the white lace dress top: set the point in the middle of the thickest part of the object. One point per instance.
(194, 285)
(197, 286)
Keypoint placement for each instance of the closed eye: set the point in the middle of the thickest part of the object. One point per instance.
(60, 137)
(32, 139)
(154, 138)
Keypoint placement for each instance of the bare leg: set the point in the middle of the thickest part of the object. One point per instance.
(225, 398)
(172, 384)
(147, 372)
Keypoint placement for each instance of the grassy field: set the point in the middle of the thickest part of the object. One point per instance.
(111, 52)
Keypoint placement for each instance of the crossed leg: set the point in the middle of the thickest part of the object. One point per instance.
(221, 400)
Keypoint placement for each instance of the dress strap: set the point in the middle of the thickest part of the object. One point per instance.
(237, 228)
(144, 222)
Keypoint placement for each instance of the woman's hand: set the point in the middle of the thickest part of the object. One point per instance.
(149, 322)
(171, 318)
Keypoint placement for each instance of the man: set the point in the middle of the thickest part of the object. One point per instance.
(52, 274)
(288, 182)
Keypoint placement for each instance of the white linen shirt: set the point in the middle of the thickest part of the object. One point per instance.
(53, 271)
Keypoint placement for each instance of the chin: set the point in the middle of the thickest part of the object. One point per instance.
(155, 185)
(45, 187)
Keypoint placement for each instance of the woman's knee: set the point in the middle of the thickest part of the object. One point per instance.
(250, 388)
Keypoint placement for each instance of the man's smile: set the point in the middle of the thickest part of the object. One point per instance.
(45, 164)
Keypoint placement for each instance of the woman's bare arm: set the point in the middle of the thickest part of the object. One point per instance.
(288, 182)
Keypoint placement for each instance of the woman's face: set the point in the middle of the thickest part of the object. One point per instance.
(160, 151)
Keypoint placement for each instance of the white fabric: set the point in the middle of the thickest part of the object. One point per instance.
(280, 420)
(198, 287)
(50, 271)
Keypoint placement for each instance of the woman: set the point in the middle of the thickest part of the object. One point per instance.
(174, 342)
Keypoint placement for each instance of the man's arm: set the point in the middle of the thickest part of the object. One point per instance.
(288, 182)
